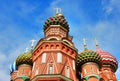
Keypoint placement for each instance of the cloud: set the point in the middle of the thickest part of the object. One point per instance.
(111, 7)
(4, 76)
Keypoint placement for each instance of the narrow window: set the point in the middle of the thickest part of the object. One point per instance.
(92, 69)
(59, 57)
(85, 71)
(44, 58)
(97, 71)
(22, 71)
(37, 70)
(73, 65)
(107, 73)
(67, 72)
(51, 70)
(33, 66)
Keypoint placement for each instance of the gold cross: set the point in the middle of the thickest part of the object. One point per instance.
(58, 10)
(96, 42)
(84, 41)
(32, 42)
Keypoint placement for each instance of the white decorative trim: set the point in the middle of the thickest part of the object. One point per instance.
(67, 41)
(52, 38)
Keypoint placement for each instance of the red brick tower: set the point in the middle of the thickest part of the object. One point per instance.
(88, 65)
(54, 55)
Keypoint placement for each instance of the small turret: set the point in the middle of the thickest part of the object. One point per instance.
(88, 64)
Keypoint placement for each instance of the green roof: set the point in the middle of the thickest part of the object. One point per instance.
(25, 58)
(88, 56)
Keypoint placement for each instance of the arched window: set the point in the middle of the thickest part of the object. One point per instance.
(59, 57)
(67, 72)
(73, 65)
(50, 69)
(44, 57)
(22, 71)
(85, 71)
(37, 70)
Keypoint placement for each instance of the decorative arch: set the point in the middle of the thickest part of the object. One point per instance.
(53, 38)
(67, 42)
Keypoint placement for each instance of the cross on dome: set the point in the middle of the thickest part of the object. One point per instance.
(96, 42)
(26, 49)
(84, 42)
(32, 42)
(58, 10)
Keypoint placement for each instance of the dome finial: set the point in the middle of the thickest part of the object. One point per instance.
(96, 42)
(32, 43)
(58, 10)
(26, 49)
(84, 42)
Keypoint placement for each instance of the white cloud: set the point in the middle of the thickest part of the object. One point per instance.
(111, 6)
(4, 76)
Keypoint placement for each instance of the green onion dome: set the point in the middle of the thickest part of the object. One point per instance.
(25, 58)
(57, 20)
(88, 56)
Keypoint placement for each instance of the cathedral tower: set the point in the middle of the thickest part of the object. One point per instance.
(54, 55)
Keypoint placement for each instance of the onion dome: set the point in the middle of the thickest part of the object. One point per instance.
(13, 67)
(56, 20)
(88, 56)
(108, 59)
(25, 58)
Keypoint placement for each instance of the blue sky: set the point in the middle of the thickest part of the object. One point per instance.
(22, 20)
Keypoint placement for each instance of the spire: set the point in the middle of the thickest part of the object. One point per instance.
(58, 10)
(96, 42)
(32, 43)
(84, 42)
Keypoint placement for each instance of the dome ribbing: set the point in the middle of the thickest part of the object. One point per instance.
(56, 20)
(25, 58)
(88, 56)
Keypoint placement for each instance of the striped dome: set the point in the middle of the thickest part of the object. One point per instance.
(13, 67)
(88, 56)
(108, 59)
(57, 20)
(25, 58)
